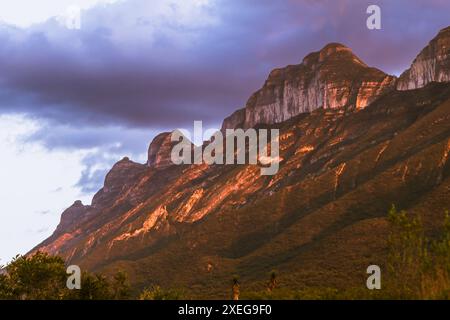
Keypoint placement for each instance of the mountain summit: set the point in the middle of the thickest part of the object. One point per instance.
(351, 145)
(432, 64)
(331, 78)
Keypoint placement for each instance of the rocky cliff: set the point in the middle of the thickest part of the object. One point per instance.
(159, 151)
(118, 179)
(235, 120)
(332, 78)
(432, 64)
(321, 217)
(73, 216)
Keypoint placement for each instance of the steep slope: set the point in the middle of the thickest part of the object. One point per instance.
(339, 177)
(332, 78)
(432, 64)
(320, 220)
(159, 151)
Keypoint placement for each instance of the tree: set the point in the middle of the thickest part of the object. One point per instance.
(37, 277)
(418, 266)
(43, 277)
(4, 288)
(157, 293)
(93, 287)
(121, 286)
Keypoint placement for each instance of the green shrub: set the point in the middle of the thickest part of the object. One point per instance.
(157, 293)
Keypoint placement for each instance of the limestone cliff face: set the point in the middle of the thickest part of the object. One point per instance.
(339, 175)
(432, 64)
(73, 216)
(236, 120)
(159, 151)
(331, 78)
(122, 174)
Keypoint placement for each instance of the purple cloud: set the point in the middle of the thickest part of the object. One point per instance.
(138, 67)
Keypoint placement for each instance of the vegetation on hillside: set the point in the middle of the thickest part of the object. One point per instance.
(44, 277)
(418, 267)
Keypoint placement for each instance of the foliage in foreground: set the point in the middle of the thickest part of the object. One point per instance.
(44, 277)
(418, 267)
(157, 293)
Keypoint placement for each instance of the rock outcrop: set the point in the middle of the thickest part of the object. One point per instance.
(159, 151)
(431, 65)
(72, 216)
(321, 215)
(327, 203)
(236, 120)
(122, 174)
(332, 78)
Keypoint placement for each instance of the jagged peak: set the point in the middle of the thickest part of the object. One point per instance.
(157, 148)
(334, 47)
(71, 216)
(160, 136)
(442, 36)
(441, 40)
(235, 120)
(159, 151)
(331, 51)
(445, 31)
(432, 64)
(78, 203)
(122, 171)
(339, 51)
(320, 81)
(124, 162)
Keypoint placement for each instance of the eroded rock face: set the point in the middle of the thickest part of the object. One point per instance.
(338, 171)
(332, 166)
(331, 78)
(159, 151)
(118, 179)
(72, 216)
(432, 64)
(236, 120)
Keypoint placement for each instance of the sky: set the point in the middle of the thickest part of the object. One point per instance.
(73, 101)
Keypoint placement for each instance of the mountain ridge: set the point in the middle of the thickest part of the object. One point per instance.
(333, 77)
(432, 64)
(196, 225)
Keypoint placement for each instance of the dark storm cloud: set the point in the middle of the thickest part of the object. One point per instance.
(138, 67)
(92, 176)
(185, 73)
(104, 146)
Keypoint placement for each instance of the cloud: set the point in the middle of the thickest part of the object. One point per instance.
(138, 67)
(162, 64)
(43, 212)
(42, 230)
(103, 145)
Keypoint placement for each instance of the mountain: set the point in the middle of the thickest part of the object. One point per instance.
(351, 145)
(159, 151)
(432, 64)
(332, 78)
